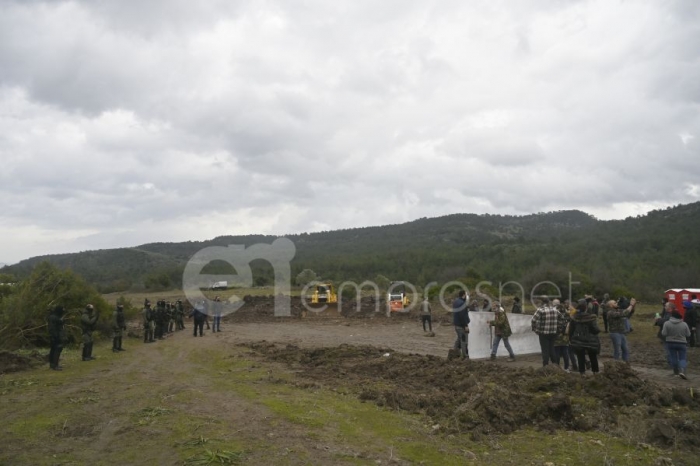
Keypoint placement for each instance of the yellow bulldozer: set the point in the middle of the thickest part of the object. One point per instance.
(321, 300)
(324, 293)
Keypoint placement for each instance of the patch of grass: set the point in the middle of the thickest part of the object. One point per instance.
(562, 447)
(214, 457)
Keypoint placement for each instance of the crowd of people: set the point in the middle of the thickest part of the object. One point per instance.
(570, 332)
(158, 322)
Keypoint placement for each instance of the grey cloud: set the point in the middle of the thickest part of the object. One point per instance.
(142, 122)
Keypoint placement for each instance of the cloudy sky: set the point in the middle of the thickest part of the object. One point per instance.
(127, 122)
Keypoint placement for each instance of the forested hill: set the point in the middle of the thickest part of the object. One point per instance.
(642, 255)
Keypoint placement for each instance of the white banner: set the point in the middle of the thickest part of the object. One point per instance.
(523, 340)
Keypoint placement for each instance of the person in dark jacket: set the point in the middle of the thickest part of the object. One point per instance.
(148, 323)
(517, 307)
(88, 322)
(583, 337)
(118, 327)
(691, 318)
(57, 337)
(216, 308)
(676, 333)
(199, 317)
(460, 319)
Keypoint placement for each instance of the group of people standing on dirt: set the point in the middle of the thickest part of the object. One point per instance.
(166, 318)
(88, 323)
(570, 332)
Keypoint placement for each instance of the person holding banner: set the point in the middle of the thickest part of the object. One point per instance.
(501, 328)
(460, 319)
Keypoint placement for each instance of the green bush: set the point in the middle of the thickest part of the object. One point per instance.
(24, 312)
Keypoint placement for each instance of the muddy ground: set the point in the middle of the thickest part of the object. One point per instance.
(390, 361)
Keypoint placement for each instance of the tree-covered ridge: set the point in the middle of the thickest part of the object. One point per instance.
(642, 255)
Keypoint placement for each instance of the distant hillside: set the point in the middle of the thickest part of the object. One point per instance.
(642, 255)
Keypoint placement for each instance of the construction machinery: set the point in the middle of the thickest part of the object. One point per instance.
(324, 293)
(397, 299)
(322, 300)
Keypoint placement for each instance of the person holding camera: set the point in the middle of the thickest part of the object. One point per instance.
(617, 328)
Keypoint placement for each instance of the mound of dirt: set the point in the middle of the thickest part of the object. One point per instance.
(12, 362)
(483, 398)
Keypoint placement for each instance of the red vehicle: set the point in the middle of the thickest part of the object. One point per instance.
(678, 295)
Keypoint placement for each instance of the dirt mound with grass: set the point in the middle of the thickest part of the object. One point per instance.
(13, 362)
(481, 398)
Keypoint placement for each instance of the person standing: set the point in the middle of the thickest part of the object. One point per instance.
(426, 315)
(198, 316)
(618, 329)
(691, 318)
(676, 333)
(148, 323)
(561, 344)
(502, 331)
(605, 309)
(583, 338)
(460, 319)
(545, 323)
(57, 336)
(695, 302)
(517, 307)
(216, 309)
(180, 313)
(118, 326)
(88, 322)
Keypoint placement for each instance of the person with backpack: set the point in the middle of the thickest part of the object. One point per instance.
(502, 330)
(583, 338)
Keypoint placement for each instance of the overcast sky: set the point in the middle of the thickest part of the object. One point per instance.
(123, 122)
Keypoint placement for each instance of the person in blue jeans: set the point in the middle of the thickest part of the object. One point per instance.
(502, 331)
(216, 308)
(676, 333)
(617, 328)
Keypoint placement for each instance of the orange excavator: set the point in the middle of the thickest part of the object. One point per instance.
(397, 299)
